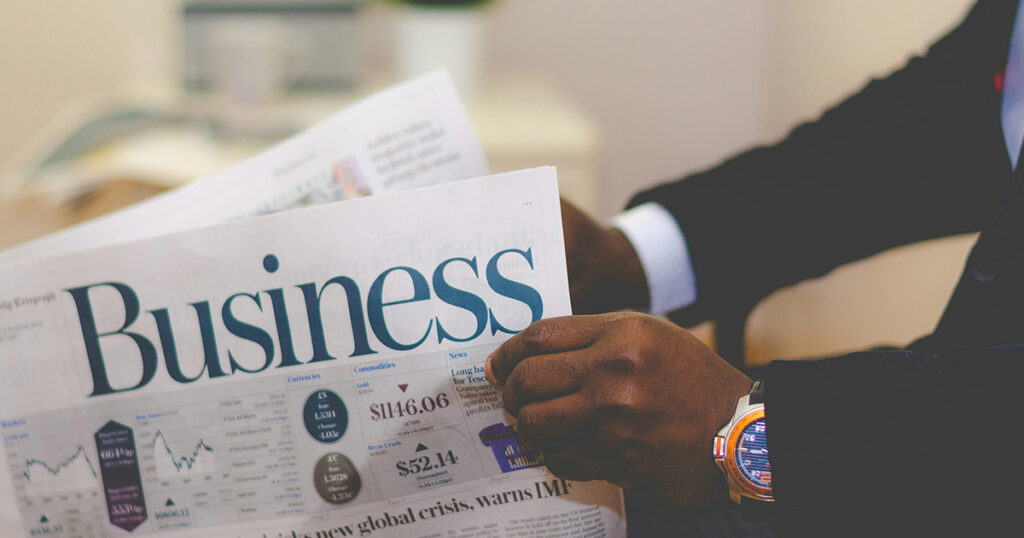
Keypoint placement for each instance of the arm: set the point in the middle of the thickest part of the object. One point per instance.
(905, 159)
(914, 156)
(926, 443)
(871, 444)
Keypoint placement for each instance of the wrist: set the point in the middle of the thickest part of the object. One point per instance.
(741, 451)
(660, 247)
(627, 274)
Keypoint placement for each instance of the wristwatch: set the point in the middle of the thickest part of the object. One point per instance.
(741, 451)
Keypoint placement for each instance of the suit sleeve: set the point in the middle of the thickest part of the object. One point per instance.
(897, 443)
(896, 163)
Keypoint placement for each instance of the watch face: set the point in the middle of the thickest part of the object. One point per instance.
(752, 454)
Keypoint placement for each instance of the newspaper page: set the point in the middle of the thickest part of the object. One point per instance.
(313, 373)
(411, 135)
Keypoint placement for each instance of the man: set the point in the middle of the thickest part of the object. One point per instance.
(916, 442)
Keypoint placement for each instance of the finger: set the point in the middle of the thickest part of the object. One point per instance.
(543, 377)
(580, 296)
(545, 336)
(572, 220)
(582, 461)
(557, 423)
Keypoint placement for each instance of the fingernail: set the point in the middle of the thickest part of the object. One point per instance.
(489, 373)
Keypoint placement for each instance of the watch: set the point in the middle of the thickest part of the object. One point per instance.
(741, 451)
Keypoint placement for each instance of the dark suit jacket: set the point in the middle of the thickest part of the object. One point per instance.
(917, 442)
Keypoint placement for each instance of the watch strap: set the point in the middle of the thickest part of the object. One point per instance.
(757, 393)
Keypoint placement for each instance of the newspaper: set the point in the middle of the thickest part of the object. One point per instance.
(411, 135)
(313, 373)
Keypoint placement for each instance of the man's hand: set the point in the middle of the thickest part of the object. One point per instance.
(622, 397)
(604, 271)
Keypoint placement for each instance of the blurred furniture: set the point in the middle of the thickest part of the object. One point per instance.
(321, 40)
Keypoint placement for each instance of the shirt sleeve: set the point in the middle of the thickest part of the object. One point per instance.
(661, 246)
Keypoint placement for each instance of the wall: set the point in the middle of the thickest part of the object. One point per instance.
(55, 53)
(822, 51)
(675, 85)
(679, 85)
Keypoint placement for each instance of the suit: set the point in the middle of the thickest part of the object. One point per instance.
(912, 442)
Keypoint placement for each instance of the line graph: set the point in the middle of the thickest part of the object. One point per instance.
(200, 460)
(75, 472)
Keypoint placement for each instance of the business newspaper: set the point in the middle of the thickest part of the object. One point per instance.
(410, 135)
(313, 373)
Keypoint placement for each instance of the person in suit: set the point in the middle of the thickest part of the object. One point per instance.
(921, 441)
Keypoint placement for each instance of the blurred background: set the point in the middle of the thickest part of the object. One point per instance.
(619, 94)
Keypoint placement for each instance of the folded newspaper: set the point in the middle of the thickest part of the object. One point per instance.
(412, 135)
(311, 373)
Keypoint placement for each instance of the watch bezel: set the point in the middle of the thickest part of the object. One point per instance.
(748, 488)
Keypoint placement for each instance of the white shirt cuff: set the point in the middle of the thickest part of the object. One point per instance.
(661, 246)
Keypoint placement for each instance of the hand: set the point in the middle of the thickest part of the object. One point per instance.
(605, 273)
(622, 397)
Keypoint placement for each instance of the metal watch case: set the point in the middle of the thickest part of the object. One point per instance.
(725, 452)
